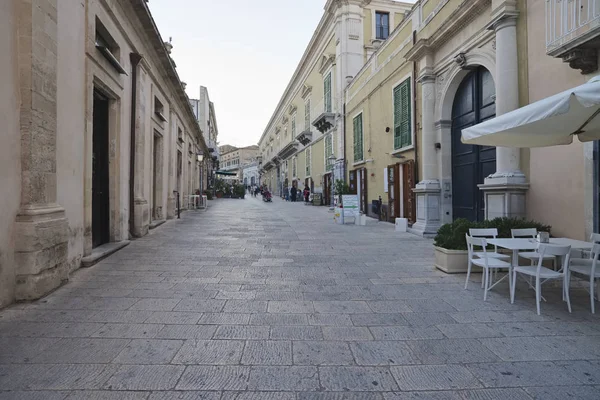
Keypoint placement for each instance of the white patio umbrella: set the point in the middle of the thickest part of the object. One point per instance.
(548, 122)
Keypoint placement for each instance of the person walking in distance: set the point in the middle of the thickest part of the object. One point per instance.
(306, 194)
(293, 192)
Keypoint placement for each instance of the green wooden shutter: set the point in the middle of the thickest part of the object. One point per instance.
(405, 126)
(397, 117)
(402, 115)
(307, 161)
(358, 138)
(328, 152)
(327, 93)
(293, 126)
(307, 115)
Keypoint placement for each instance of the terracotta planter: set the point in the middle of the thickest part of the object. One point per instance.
(452, 261)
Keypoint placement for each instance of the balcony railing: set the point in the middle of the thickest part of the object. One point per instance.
(570, 23)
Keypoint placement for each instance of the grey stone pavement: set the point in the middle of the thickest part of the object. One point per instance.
(257, 301)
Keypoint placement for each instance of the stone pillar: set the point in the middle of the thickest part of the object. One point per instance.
(505, 190)
(141, 216)
(428, 190)
(349, 54)
(172, 146)
(41, 229)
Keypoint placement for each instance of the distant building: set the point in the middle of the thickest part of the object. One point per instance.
(204, 110)
(233, 158)
(250, 175)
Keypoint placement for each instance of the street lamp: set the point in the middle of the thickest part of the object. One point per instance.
(200, 157)
(331, 158)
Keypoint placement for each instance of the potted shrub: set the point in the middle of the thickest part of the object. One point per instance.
(451, 254)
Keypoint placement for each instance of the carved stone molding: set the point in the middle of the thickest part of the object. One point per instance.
(327, 61)
(585, 60)
(461, 60)
(306, 91)
(292, 109)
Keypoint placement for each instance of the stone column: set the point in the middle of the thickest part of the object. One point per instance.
(172, 148)
(141, 208)
(505, 190)
(41, 228)
(428, 191)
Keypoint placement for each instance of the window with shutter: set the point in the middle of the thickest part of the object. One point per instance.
(307, 115)
(294, 165)
(293, 126)
(307, 153)
(328, 152)
(402, 115)
(358, 138)
(327, 93)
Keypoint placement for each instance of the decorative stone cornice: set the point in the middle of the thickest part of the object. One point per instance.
(457, 20)
(503, 10)
(292, 109)
(306, 91)
(327, 60)
(585, 60)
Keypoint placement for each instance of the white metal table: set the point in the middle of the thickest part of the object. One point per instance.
(519, 244)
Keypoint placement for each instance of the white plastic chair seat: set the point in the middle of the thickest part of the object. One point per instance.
(491, 263)
(491, 254)
(583, 266)
(534, 255)
(545, 273)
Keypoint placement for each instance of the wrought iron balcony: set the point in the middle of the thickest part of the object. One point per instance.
(573, 32)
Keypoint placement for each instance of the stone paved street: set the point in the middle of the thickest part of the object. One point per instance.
(257, 301)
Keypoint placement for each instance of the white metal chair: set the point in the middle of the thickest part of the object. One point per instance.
(482, 260)
(488, 233)
(540, 272)
(532, 256)
(587, 267)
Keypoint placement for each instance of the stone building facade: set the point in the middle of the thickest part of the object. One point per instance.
(204, 110)
(233, 159)
(303, 143)
(98, 133)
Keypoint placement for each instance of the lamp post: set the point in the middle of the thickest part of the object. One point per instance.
(331, 158)
(200, 158)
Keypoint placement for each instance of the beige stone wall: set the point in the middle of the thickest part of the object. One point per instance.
(46, 106)
(557, 174)
(10, 163)
(71, 126)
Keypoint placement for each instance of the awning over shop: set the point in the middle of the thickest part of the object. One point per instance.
(548, 122)
(226, 173)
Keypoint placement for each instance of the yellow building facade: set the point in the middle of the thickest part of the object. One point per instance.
(447, 65)
(303, 142)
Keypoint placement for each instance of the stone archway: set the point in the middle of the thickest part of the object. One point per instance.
(448, 83)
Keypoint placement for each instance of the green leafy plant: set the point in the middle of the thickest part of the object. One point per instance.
(452, 236)
(341, 187)
(209, 195)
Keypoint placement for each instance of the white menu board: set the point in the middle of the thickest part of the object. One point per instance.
(350, 205)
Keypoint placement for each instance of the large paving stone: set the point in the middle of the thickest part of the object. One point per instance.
(267, 352)
(145, 377)
(434, 377)
(210, 352)
(357, 379)
(322, 353)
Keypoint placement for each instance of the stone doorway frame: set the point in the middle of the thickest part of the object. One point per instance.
(448, 82)
(114, 154)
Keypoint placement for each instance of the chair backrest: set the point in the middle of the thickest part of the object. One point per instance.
(479, 233)
(554, 250)
(526, 232)
(473, 241)
(485, 233)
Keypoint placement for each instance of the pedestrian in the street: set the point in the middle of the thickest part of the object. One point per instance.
(293, 192)
(306, 194)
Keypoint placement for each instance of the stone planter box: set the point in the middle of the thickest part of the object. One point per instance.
(452, 261)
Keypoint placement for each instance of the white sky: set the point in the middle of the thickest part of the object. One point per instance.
(243, 51)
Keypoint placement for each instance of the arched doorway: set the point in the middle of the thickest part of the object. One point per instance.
(474, 103)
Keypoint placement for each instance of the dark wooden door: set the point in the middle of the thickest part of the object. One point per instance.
(100, 172)
(474, 103)
(327, 189)
(362, 181)
(353, 179)
(393, 192)
(408, 196)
